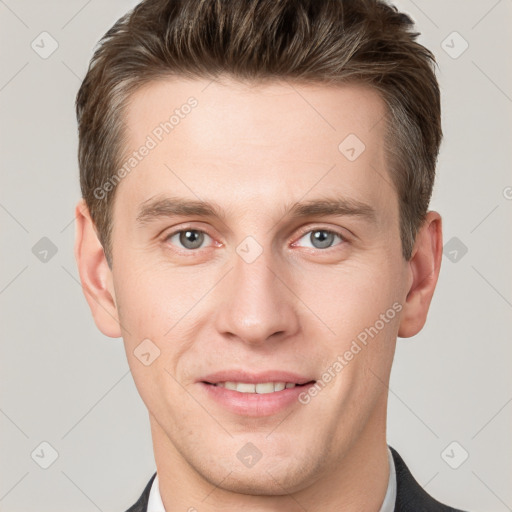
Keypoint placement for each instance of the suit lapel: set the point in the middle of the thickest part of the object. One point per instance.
(142, 503)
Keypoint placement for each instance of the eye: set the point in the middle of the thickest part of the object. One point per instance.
(189, 239)
(320, 238)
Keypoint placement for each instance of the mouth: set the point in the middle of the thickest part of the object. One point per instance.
(256, 395)
(259, 388)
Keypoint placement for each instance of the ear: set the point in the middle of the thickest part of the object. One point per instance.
(424, 267)
(95, 274)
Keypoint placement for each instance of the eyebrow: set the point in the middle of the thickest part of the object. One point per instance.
(156, 208)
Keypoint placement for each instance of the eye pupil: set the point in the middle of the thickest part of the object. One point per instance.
(321, 238)
(191, 239)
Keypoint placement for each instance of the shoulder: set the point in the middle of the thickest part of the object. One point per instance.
(410, 496)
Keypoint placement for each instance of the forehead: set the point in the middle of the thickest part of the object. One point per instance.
(307, 111)
(276, 140)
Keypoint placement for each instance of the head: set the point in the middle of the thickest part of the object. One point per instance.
(217, 141)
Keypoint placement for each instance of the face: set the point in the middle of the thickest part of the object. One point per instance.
(286, 267)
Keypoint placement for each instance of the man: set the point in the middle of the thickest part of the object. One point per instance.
(256, 177)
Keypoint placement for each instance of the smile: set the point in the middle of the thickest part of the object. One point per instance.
(259, 388)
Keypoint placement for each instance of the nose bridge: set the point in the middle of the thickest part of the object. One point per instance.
(256, 304)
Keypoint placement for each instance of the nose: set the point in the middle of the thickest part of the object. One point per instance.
(256, 302)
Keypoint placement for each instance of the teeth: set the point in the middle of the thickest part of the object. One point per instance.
(245, 388)
(260, 388)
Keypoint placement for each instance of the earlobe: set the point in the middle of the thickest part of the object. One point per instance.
(95, 274)
(424, 267)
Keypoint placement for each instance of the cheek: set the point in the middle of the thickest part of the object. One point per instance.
(159, 305)
(147, 304)
(361, 306)
(149, 308)
(349, 298)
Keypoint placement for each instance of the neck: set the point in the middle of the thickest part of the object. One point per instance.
(355, 481)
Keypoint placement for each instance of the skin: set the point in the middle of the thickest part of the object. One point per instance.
(256, 150)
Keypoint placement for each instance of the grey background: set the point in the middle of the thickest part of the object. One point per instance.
(64, 383)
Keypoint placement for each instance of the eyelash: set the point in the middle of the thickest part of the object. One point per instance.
(304, 232)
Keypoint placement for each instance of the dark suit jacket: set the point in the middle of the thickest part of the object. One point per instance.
(410, 496)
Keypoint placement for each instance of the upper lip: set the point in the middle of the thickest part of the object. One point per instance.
(255, 378)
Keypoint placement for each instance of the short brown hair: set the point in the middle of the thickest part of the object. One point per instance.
(308, 41)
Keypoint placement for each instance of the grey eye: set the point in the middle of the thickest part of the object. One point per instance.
(321, 238)
(189, 238)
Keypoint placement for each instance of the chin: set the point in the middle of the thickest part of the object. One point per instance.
(272, 475)
(262, 483)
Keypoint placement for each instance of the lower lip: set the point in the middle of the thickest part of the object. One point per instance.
(255, 404)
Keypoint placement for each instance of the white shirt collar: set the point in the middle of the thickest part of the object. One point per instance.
(388, 505)
(155, 500)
